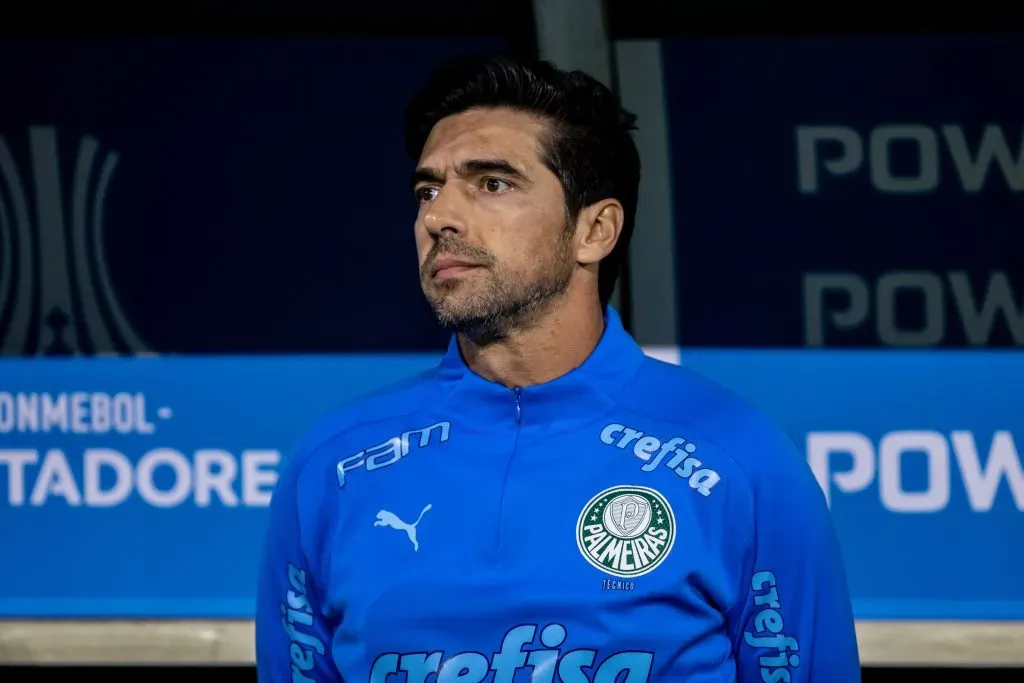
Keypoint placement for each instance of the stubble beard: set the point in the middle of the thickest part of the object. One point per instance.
(491, 311)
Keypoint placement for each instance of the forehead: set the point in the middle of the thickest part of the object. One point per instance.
(492, 132)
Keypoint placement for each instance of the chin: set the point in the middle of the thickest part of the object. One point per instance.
(453, 312)
(452, 295)
(456, 313)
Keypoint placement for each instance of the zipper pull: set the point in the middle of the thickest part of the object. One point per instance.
(519, 406)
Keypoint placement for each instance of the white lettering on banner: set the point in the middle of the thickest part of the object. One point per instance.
(981, 482)
(77, 412)
(109, 478)
(978, 315)
(840, 150)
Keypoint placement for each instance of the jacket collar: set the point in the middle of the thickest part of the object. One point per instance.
(582, 394)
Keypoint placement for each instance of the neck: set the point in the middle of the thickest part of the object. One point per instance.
(557, 342)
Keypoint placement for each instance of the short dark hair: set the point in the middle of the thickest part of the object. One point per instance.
(591, 148)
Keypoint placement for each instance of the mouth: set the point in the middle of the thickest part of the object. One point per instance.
(448, 267)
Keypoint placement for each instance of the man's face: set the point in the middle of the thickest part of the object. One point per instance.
(491, 232)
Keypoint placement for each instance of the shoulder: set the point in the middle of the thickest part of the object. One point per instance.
(342, 429)
(717, 418)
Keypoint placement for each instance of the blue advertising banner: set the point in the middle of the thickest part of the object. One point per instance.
(920, 457)
(138, 487)
(853, 191)
(211, 195)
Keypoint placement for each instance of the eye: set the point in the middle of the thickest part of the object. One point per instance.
(495, 185)
(425, 194)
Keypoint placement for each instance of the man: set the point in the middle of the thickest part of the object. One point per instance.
(547, 503)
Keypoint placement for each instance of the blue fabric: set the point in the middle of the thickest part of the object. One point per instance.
(630, 521)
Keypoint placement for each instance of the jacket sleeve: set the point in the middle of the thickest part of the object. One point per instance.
(293, 637)
(794, 622)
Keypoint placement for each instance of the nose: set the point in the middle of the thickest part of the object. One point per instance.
(445, 214)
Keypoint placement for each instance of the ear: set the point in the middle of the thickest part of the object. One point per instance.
(597, 230)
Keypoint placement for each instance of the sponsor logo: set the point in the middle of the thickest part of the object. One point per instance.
(390, 519)
(296, 618)
(942, 305)
(55, 291)
(778, 651)
(682, 461)
(392, 450)
(969, 158)
(541, 664)
(982, 473)
(626, 531)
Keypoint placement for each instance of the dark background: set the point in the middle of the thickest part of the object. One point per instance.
(255, 203)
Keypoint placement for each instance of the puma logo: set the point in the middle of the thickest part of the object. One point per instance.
(385, 518)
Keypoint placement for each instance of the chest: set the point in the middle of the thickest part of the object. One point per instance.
(459, 545)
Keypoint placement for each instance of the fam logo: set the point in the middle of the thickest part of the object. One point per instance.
(393, 450)
(626, 531)
(55, 291)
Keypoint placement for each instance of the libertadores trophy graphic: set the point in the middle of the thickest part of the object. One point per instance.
(56, 297)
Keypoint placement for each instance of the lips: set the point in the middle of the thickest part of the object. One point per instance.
(450, 266)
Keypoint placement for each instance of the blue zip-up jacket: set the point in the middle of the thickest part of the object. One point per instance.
(627, 522)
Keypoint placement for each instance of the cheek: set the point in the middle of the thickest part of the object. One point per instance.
(548, 242)
(531, 254)
(534, 232)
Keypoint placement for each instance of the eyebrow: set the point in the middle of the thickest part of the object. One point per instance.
(469, 167)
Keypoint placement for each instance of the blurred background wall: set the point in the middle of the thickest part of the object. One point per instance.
(205, 243)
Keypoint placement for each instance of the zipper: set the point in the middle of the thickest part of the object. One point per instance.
(518, 393)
